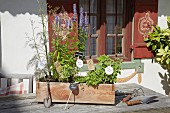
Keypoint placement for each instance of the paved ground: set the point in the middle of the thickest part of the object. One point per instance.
(158, 110)
(27, 104)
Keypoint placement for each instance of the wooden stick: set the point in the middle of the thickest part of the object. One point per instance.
(68, 100)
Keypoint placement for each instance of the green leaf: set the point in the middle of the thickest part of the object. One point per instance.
(146, 39)
(161, 51)
(158, 39)
(166, 48)
(158, 59)
(148, 44)
(154, 47)
(168, 61)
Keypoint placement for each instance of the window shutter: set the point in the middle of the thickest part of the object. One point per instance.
(146, 15)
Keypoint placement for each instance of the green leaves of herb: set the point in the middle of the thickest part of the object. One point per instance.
(99, 76)
(63, 52)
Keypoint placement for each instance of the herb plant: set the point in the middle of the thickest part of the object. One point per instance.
(63, 52)
(99, 76)
(63, 46)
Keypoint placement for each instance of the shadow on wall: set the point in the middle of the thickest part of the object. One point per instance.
(165, 82)
(15, 7)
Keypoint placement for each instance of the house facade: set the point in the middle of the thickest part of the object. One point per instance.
(116, 28)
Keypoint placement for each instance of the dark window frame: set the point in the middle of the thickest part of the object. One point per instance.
(101, 31)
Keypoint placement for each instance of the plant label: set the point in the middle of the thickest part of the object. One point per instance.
(108, 70)
(58, 66)
(90, 64)
(79, 63)
(78, 54)
(41, 65)
(73, 86)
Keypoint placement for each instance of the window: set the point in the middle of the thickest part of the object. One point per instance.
(106, 27)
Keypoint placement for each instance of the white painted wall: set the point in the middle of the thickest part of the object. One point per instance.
(15, 22)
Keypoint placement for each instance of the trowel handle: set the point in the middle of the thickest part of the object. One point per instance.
(127, 98)
(134, 102)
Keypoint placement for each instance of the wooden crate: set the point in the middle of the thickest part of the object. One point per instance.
(102, 94)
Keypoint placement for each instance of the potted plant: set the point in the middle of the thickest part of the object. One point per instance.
(59, 65)
(98, 85)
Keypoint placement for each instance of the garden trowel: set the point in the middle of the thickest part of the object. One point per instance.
(47, 100)
(144, 101)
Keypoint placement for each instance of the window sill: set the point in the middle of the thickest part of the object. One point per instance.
(125, 65)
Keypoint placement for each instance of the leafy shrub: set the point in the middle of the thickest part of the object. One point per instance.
(159, 42)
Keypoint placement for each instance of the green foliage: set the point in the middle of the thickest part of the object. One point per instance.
(159, 42)
(63, 52)
(99, 76)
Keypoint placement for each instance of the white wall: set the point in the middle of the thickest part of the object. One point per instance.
(15, 22)
(150, 77)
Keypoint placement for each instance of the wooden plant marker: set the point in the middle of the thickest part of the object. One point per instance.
(58, 66)
(90, 64)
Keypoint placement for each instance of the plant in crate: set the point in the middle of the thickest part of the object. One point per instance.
(58, 64)
(39, 43)
(100, 74)
(64, 46)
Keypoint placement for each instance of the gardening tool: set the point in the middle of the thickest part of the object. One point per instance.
(134, 94)
(122, 93)
(47, 100)
(72, 87)
(144, 101)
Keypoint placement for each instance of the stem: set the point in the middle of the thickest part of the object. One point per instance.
(36, 48)
(44, 37)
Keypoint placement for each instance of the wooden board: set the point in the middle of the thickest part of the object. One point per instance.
(146, 16)
(103, 94)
